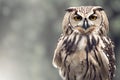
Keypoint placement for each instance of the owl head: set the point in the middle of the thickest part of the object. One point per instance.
(85, 20)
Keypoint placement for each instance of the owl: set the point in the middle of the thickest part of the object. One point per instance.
(84, 50)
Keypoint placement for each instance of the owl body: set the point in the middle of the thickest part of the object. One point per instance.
(84, 51)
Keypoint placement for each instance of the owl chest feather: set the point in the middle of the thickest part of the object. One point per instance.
(83, 60)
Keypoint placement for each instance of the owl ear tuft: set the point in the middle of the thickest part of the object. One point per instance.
(99, 9)
(70, 9)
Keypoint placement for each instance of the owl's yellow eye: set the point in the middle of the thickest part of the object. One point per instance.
(93, 17)
(77, 18)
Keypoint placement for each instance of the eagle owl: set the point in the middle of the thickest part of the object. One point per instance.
(84, 51)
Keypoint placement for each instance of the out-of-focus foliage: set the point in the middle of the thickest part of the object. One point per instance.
(29, 30)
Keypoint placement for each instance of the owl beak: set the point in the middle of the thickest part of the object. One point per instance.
(85, 24)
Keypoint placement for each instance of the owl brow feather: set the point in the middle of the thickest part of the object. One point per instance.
(76, 13)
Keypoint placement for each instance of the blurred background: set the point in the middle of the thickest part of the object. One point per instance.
(29, 30)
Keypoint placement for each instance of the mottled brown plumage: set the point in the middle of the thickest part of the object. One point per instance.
(84, 51)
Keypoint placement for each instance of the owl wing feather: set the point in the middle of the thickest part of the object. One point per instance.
(57, 59)
(109, 50)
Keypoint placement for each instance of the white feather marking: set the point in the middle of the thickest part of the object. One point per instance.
(105, 58)
(82, 43)
(90, 38)
(101, 42)
(106, 39)
(77, 38)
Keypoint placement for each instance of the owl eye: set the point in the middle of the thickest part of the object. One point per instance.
(93, 17)
(78, 18)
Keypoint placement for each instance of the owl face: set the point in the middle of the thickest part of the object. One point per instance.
(86, 19)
